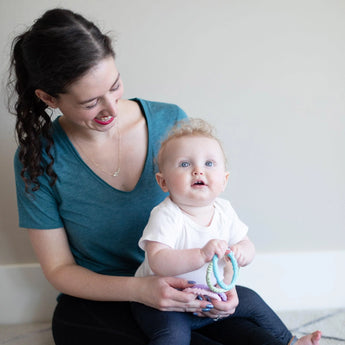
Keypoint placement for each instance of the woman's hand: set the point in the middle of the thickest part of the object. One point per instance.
(223, 309)
(164, 293)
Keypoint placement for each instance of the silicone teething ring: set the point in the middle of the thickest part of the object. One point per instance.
(213, 267)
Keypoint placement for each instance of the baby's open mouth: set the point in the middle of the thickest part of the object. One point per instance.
(199, 183)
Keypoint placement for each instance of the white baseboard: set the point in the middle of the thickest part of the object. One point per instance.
(287, 281)
(25, 294)
(298, 281)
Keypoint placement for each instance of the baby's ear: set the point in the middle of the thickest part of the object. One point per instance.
(226, 179)
(161, 181)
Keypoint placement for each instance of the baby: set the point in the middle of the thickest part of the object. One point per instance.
(189, 227)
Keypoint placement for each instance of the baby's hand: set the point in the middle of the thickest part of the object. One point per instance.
(239, 255)
(244, 251)
(212, 247)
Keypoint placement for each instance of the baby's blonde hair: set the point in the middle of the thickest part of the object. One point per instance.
(191, 127)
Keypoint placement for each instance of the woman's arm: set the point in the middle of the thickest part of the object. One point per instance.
(61, 270)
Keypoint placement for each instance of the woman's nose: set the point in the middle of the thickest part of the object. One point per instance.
(110, 106)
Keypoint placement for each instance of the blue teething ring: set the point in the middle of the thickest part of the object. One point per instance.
(213, 266)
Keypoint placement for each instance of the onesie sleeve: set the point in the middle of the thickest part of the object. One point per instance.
(39, 209)
(163, 226)
(237, 230)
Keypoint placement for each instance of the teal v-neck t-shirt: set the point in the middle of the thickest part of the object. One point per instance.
(103, 224)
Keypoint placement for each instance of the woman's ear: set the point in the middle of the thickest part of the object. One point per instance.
(46, 98)
(161, 181)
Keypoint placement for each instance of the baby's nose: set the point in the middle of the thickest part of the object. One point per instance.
(197, 172)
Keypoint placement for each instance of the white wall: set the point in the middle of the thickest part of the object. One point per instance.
(269, 74)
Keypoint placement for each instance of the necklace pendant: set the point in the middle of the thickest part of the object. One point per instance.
(117, 172)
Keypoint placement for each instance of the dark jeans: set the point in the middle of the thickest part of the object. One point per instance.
(171, 328)
(167, 327)
(78, 321)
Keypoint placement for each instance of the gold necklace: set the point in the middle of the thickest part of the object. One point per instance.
(117, 171)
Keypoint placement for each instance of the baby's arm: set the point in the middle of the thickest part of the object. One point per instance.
(244, 251)
(166, 261)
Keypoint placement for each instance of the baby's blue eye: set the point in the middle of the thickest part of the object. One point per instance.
(184, 164)
(209, 163)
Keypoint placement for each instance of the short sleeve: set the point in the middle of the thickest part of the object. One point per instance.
(39, 209)
(163, 226)
(230, 220)
(238, 229)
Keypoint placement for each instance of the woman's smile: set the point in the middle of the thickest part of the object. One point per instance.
(104, 120)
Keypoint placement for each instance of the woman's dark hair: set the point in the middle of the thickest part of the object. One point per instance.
(57, 50)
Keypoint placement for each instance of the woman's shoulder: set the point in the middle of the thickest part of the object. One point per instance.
(154, 104)
(162, 110)
(16, 161)
(56, 133)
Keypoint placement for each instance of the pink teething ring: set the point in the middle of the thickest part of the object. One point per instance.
(204, 290)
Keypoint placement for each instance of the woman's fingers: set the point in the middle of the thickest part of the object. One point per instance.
(188, 302)
(224, 309)
(166, 294)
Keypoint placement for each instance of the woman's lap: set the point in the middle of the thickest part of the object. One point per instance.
(78, 321)
(253, 308)
(239, 331)
(167, 327)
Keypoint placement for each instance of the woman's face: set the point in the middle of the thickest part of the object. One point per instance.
(92, 101)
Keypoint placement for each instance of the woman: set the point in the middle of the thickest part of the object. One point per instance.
(85, 188)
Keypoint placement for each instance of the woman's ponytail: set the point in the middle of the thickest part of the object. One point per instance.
(32, 122)
(57, 50)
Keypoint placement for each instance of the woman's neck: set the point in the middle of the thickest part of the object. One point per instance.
(81, 134)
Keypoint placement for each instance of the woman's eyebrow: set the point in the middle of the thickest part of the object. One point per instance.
(93, 98)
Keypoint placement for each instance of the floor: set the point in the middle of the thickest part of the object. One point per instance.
(330, 322)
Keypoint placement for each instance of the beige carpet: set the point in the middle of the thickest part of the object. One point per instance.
(331, 323)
